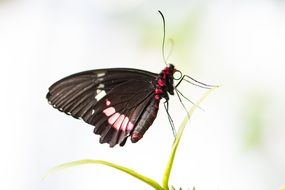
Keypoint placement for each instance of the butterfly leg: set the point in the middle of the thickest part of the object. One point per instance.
(180, 100)
(179, 94)
(166, 106)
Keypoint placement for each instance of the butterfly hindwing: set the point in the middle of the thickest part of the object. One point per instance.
(116, 115)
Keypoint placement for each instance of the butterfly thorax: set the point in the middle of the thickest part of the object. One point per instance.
(164, 83)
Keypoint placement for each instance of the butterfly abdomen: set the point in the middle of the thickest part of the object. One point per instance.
(145, 121)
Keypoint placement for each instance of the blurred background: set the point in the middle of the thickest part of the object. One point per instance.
(236, 143)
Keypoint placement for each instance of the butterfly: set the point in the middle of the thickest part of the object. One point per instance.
(119, 102)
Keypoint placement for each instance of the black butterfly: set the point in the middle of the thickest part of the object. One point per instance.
(119, 102)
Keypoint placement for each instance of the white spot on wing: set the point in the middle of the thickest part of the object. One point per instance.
(100, 94)
(101, 86)
(100, 74)
(100, 79)
(92, 112)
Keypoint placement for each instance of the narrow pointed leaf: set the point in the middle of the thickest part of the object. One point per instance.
(133, 173)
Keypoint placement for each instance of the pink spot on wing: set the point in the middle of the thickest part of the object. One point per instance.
(130, 126)
(107, 102)
(124, 124)
(119, 122)
(109, 111)
(113, 118)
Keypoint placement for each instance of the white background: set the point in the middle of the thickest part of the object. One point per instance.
(237, 143)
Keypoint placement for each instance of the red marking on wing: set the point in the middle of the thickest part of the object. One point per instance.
(136, 137)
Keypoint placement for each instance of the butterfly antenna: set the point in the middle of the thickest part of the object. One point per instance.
(171, 48)
(163, 39)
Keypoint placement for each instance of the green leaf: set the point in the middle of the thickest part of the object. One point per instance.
(133, 173)
(168, 168)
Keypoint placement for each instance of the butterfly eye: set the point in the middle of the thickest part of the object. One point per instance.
(177, 75)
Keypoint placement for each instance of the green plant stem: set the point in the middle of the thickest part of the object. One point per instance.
(165, 179)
